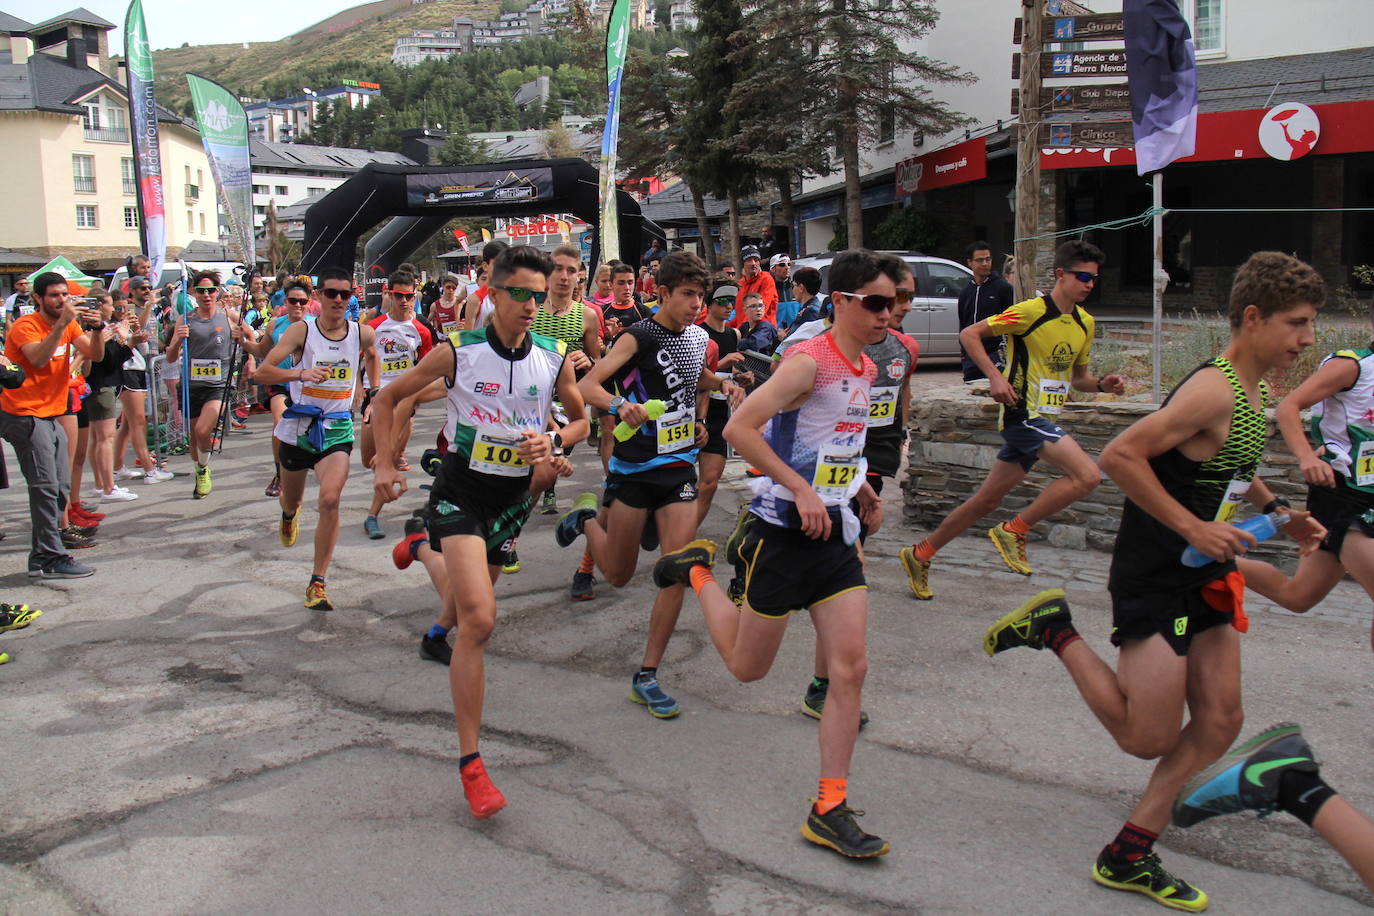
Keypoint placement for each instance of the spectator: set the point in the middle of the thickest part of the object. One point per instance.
(727, 270)
(1009, 274)
(133, 396)
(138, 266)
(780, 266)
(106, 377)
(757, 334)
(807, 283)
(755, 280)
(986, 295)
(279, 293)
(42, 344)
(17, 303)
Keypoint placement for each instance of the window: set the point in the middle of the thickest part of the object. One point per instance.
(91, 119)
(282, 190)
(127, 177)
(946, 281)
(313, 191)
(131, 217)
(259, 189)
(85, 216)
(202, 224)
(190, 221)
(83, 173)
(104, 121)
(1207, 18)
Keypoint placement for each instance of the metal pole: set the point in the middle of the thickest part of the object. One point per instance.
(1028, 150)
(1160, 281)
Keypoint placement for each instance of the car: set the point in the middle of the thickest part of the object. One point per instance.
(934, 317)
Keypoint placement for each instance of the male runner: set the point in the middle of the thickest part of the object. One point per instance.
(801, 549)
(210, 334)
(443, 314)
(711, 460)
(296, 302)
(1184, 470)
(1050, 340)
(316, 432)
(478, 306)
(501, 382)
(653, 473)
(402, 341)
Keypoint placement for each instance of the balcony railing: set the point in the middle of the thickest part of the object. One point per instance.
(108, 134)
(85, 184)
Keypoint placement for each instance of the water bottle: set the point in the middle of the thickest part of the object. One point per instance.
(1263, 527)
(654, 408)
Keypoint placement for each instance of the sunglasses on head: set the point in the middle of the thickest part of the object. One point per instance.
(522, 294)
(296, 301)
(336, 293)
(873, 302)
(1082, 276)
(404, 297)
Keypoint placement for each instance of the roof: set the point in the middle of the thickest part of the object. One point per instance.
(47, 82)
(1333, 76)
(13, 258)
(303, 156)
(80, 15)
(674, 204)
(532, 147)
(296, 212)
(11, 24)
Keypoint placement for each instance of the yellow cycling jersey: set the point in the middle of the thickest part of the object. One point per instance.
(1044, 344)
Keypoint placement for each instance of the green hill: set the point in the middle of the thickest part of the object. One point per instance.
(364, 34)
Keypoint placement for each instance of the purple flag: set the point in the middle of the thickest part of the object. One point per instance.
(1162, 75)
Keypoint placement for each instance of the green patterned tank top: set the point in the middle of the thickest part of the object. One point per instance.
(568, 328)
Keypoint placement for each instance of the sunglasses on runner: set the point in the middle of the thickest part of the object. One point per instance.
(1083, 276)
(904, 295)
(873, 302)
(522, 294)
(205, 289)
(338, 293)
(723, 300)
(295, 301)
(404, 297)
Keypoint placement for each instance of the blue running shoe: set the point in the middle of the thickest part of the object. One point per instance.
(1247, 777)
(372, 529)
(569, 527)
(646, 692)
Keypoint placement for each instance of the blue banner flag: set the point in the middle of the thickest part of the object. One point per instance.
(1162, 74)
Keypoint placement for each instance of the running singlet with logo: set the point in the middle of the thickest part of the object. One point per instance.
(1344, 424)
(494, 395)
(400, 345)
(568, 327)
(210, 343)
(667, 366)
(895, 358)
(1044, 346)
(333, 394)
(446, 316)
(1146, 557)
(823, 439)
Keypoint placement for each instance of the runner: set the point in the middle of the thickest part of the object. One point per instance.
(212, 333)
(316, 431)
(478, 306)
(444, 313)
(507, 377)
(711, 460)
(816, 409)
(653, 472)
(402, 341)
(1051, 338)
(297, 300)
(1184, 470)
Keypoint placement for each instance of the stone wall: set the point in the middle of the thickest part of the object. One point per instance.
(954, 442)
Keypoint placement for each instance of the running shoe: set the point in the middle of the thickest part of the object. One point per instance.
(1148, 876)
(435, 649)
(1246, 778)
(127, 473)
(63, 568)
(372, 529)
(582, 587)
(734, 544)
(273, 489)
(84, 530)
(1025, 626)
(570, 525)
(289, 528)
(646, 692)
(237, 425)
(403, 554)
(17, 616)
(676, 568)
(549, 504)
(813, 704)
(648, 538)
(315, 597)
(74, 541)
(241, 413)
(735, 591)
(917, 574)
(484, 799)
(838, 829)
(84, 515)
(202, 489)
(430, 459)
(118, 495)
(402, 464)
(1012, 547)
(157, 475)
(511, 564)
(4, 658)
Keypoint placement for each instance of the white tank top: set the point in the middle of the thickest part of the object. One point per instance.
(335, 392)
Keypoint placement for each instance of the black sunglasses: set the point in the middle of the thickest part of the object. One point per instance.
(522, 294)
(339, 293)
(294, 301)
(1083, 276)
(873, 302)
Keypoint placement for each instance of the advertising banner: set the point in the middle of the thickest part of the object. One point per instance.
(497, 189)
(224, 134)
(617, 40)
(152, 209)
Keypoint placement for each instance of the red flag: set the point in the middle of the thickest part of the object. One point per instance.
(462, 238)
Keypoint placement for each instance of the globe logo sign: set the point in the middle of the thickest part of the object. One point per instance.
(1289, 131)
(216, 116)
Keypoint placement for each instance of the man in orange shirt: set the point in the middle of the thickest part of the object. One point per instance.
(43, 344)
(755, 279)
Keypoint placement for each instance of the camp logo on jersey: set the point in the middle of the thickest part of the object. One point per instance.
(488, 389)
(1060, 358)
(391, 345)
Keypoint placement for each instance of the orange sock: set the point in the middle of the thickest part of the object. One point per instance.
(701, 575)
(588, 564)
(1018, 526)
(831, 794)
(924, 551)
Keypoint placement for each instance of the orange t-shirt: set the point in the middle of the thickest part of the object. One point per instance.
(44, 392)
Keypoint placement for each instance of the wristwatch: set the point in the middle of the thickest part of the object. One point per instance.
(1275, 503)
(556, 441)
(615, 405)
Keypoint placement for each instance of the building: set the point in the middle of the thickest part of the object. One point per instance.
(467, 35)
(682, 15)
(287, 173)
(426, 44)
(64, 126)
(285, 120)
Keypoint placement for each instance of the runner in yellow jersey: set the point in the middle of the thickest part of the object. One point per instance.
(1048, 343)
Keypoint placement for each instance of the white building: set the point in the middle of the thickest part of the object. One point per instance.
(426, 44)
(285, 120)
(682, 15)
(286, 173)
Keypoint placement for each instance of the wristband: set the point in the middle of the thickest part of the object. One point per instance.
(1275, 503)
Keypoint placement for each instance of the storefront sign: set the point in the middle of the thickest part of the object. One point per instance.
(967, 161)
(1289, 131)
(361, 84)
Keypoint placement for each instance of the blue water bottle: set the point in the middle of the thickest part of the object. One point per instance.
(1263, 527)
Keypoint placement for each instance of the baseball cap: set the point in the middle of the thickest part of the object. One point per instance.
(138, 283)
(779, 259)
(723, 291)
(749, 251)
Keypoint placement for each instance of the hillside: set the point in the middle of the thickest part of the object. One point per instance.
(341, 37)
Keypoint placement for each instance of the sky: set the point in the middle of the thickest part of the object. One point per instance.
(173, 22)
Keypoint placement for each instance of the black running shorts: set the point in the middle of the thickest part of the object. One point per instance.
(202, 396)
(450, 514)
(717, 415)
(653, 489)
(1341, 509)
(1178, 618)
(787, 571)
(295, 458)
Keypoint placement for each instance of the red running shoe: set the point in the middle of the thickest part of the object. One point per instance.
(484, 799)
(80, 516)
(403, 554)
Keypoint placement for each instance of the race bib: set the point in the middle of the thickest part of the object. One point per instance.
(494, 451)
(882, 407)
(676, 431)
(1231, 500)
(448, 327)
(1054, 394)
(337, 385)
(837, 466)
(1364, 464)
(394, 366)
(26, 310)
(206, 369)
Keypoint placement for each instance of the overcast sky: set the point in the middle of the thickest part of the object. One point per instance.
(173, 22)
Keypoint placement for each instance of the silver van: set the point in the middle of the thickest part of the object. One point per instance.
(934, 317)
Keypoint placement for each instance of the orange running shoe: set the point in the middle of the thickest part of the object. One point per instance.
(484, 799)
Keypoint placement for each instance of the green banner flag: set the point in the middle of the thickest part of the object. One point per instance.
(224, 134)
(617, 41)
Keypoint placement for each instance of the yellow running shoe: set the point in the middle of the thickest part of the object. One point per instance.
(202, 489)
(290, 528)
(917, 573)
(316, 599)
(1147, 876)
(1012, 547)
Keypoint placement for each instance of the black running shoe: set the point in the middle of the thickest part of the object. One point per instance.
(435, 649)
(582, 587)
(676, 568)
(1025, 626)
(839, 830)
(735, 591)
(813, 704)
(430, 459)
(648, 538)
(1247, 777)
(735, 542)
(17, 616)
(569, 527)
(1148, 876)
